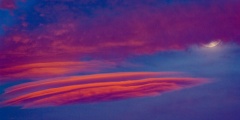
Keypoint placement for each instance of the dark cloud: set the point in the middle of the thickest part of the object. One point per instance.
(61, 28)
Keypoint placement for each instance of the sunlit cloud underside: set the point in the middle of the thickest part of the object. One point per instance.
(96, 88)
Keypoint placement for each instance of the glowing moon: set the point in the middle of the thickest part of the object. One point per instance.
(212, 44)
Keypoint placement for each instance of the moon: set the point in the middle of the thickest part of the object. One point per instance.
(212, 44)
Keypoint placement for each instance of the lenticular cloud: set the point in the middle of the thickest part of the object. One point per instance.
(43, 70)
(96, 88)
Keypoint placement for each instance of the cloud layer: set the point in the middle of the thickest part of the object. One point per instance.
(60, 30)
(50, 40)
(95, 88)
(52, 69)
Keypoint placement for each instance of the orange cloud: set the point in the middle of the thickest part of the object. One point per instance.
(96, 88)
(103, 77)
(52, 69)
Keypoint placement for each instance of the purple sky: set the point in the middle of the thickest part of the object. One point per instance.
(119, 59)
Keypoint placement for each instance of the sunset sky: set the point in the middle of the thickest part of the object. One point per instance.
(119, 59)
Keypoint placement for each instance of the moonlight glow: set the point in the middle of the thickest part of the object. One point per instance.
(212, 44)
(119, 59)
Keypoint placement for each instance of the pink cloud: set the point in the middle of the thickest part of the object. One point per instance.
(7, 4)
(52, 69)
(142, 30)
(103, 77)
(131, 86)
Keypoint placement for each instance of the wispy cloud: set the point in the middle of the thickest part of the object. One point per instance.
(96, 88)
(71, 80)
(52, 69)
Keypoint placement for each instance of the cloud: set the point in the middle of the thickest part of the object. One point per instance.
(96, 88)
(7, 4)
(117, 30)
(107, 77)
(69, 30)
(52, 69)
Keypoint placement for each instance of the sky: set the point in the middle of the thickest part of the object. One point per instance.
(119, 59)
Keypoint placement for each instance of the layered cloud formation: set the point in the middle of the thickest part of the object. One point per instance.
(55, 42)
(95, 88)
(52, 69)
(65, 55)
